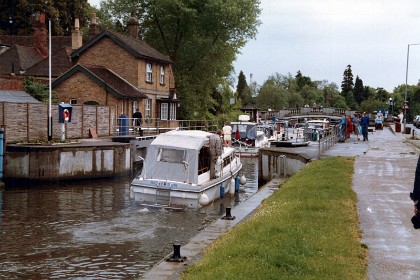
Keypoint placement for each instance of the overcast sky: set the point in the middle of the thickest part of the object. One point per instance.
(321, 37)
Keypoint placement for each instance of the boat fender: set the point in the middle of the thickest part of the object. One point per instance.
(131, 193)
(222, 191)
(243, 179)
(232, 186)
(237, 182)
(203, 199)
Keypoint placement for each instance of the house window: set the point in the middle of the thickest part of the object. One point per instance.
(172, 111)
(73, 101)
(149, 73)
(135, 105)
(148, 107)
(164, 111)
(162, 75)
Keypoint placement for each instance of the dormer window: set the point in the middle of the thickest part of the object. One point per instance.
(149, 73)
(162, 75)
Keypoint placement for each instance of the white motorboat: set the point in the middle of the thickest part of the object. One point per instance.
(176, 172)
(247, 137)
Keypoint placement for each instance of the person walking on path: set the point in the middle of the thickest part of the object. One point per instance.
(364, 123)
(227, 134)
(216, 149)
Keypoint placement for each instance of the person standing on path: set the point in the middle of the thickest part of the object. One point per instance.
(343, 128)
(138, 120)
(227, 134)
(216, 149)
(364, 123)
(356, 123)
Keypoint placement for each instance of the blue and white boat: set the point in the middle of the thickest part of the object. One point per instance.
(176, 172)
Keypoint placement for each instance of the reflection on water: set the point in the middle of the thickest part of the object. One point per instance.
(93, 230)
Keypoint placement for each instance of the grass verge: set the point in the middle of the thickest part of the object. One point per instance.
(308, 229)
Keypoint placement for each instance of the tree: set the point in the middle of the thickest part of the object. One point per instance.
(358, 90)
(272, 95)
(347, 83)
(202, 38)
(243, 90)
(39, 91)
(303, 81)
(17, 16)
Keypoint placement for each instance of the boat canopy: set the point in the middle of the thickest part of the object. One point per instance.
(244, 130)
(173, 156)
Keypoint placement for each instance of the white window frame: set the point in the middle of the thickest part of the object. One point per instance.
(172, 111)
(162, 75)
(73, 101)
(149, 73)
(148, 108)
(135, 105)
(164, 111)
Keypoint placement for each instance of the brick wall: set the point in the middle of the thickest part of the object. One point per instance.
(24, 122)
(11, 82)
(83, 89)
(108, 54)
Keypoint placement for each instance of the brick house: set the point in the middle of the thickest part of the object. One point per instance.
(122, 71)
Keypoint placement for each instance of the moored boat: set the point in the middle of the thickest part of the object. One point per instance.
(176, 172)
(247, 137)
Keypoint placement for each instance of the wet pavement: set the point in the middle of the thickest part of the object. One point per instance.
(383, 178)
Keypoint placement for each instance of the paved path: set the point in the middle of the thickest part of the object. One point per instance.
(383, 179)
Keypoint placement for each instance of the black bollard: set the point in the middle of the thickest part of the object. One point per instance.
(228, 216)
(176, 257)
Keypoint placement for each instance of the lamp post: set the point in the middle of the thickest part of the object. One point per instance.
(391, 105)
(406, 78)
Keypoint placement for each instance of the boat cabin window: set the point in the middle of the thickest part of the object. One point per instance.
(170, 155)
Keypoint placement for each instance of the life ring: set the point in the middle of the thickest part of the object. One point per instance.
(66, 115)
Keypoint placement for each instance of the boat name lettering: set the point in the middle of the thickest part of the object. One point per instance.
(163, 184)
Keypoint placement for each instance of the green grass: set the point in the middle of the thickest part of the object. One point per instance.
(308, 229)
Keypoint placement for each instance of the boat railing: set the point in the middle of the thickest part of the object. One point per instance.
(278, 168)
(329, 139)
(187, 171)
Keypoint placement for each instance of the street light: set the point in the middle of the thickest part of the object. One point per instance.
(406, 78)
(391, 106)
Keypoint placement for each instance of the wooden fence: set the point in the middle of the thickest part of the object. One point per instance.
(28, 122)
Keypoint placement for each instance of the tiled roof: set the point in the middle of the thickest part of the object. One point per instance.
(60, 63)
(136, 47)
(21, 55)
(28, 41)
(105, 78)
(16, 96)
(18, 58)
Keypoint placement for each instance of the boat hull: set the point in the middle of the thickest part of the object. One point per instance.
(180, 195)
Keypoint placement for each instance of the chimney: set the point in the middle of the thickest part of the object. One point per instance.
(76, 36)
(94, 27)
(40, 35)
(133, 27)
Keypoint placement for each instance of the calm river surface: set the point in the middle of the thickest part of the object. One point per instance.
(92, 230)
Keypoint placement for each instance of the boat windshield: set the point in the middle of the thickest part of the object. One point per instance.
(171, 155)
(246, 131)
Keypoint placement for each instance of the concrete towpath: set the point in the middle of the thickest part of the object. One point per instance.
(383, 179)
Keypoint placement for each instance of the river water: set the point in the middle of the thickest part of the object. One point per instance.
(92, 230)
